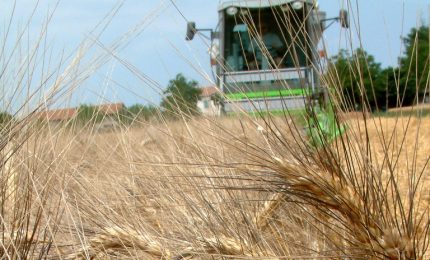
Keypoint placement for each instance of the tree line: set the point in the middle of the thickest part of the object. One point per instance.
(364, 83)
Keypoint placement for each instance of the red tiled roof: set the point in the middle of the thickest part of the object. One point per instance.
(109, 109)
(69, 113)
(57, 114)
(209, 91)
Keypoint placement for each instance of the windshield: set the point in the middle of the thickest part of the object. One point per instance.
(262, 39)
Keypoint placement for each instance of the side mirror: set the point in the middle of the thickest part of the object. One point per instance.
(343, 18)
(191, 31)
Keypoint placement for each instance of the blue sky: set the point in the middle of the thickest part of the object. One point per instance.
(159, 51)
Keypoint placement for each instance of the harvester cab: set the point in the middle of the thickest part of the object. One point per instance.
(265, 53)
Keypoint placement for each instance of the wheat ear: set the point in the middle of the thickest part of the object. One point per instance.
(331, 193)
(122, 240)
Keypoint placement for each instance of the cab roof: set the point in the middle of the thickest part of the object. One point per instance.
(258, 3)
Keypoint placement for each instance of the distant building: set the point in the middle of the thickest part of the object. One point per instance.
(61, 116)
(57, 115)
(110, 109)
(206, 103)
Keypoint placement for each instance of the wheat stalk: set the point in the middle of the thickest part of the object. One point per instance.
(223, 246)
(269, 209)
(120, 240)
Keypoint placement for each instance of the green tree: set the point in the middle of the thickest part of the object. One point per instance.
(414, 65)
(87, 113)
(142, 111)
(5, 118)
(137, 112)
(357, 74)
(6, 121)
(181, 95)
(388, 80)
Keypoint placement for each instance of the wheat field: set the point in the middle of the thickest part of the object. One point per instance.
(195, 187)
(223, 188)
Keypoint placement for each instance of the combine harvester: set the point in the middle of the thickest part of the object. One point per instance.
(265, 53)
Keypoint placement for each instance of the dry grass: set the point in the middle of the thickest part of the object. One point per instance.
(227, 188)
(411, 108)
(184, 191)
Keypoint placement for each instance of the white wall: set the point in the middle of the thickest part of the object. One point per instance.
(207, 106)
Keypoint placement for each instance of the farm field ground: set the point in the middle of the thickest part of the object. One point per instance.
(220, 187)
(196, 187)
